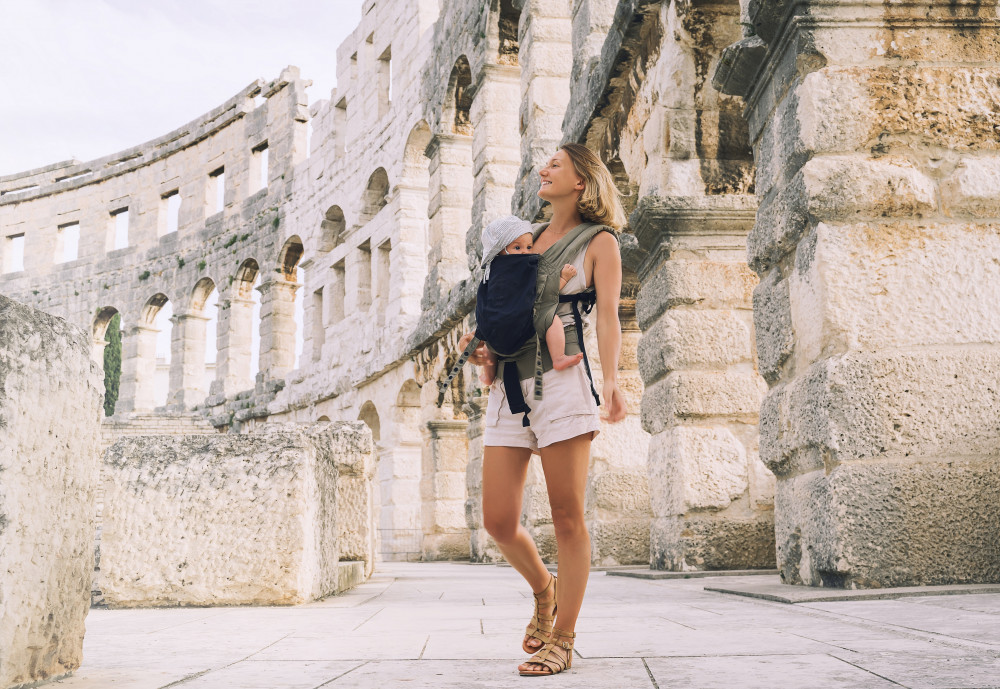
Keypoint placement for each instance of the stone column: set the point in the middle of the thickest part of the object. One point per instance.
(188, 385)
(97, 345)
(876, 244)
(277, 327)
(233, 372)
(495, 154)
(482, 548)
(138, 369)
(708, 489)
(442, 491)
(449, 213)
(399, 490)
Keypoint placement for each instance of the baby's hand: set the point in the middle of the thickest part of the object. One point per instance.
(567, 272)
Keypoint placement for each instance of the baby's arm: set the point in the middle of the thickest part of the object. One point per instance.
(488, 372)
(566, 274)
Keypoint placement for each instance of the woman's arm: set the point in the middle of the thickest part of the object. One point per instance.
(607, 274)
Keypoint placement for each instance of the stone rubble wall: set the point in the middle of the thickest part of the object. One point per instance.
(236, 519)
(50, 409)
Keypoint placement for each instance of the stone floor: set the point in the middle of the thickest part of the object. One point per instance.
(459, 625)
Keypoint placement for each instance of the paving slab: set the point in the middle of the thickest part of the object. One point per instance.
(645, 573)
(772, 589)
(447, 625)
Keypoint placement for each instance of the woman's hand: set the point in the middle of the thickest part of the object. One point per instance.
(480, 355)
(613, 403)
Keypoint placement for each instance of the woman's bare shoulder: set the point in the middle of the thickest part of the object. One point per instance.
(603, 244)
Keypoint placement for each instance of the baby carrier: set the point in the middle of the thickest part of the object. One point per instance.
(516, 305)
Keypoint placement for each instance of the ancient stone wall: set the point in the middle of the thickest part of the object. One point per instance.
(50, 406)
(261, 518)
(877, 247)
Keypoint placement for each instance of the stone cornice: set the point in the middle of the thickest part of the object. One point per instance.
(657, 218)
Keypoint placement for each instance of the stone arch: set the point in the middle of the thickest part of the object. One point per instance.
(240, 351)
(415, 160)
(458, 98)
(203, 289)
(246, 276)
(109, 359)
(400, 465)
(289, 257)
(369, 415)
(323, 418)
(99, 328)
(332, 229)
(374, 198)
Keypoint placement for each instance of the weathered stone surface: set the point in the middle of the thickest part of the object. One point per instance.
(685, 338)
(706, 284)
(695, 468)
(50, 407)
(973, 188)
(234, 519)
(698, 542)
(693, 394)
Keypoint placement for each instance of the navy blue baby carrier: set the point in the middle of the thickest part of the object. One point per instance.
(514, 308)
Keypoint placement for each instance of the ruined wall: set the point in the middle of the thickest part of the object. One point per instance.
(236, 519)
(876, 244)
(50, 402)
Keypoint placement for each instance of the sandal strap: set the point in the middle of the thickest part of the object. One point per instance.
(556, 664)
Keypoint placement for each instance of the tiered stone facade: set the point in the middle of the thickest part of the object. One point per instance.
(871, 258)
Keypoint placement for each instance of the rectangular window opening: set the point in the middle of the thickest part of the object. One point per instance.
(68, 242)
(14, 254)
(120, 218)
(260, 166)
(384, 274)
(172, 202)
(364, 276)
(384, 81)
(339, 290)
(217, 189)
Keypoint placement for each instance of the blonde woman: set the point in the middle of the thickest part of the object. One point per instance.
(563, 423)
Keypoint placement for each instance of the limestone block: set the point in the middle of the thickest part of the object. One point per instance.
(895, 523)
(706, 541)
(684, 338)
(888, 404)
(761, 482)
(973, 188)
(772, 325)
(843, 186)
(706, 284)
(867, 286)
(693, 468)
(50, 410)
(232, 519)
(693, 394)
(622, 541)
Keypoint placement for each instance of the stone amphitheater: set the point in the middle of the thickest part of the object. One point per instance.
(811, 309)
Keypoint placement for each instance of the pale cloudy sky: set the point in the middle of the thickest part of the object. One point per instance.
(87, 78)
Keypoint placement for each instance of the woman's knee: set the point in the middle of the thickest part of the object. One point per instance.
(569, 523)
(502, 527)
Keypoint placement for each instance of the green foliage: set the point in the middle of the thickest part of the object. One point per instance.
(229, 242)
(275, 222)
(201, 265)
(180, 262)
(112, 363)
(144, 275)
(243, 237)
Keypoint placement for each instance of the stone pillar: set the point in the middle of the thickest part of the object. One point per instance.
(408, 258)
(495, 155)
(400, 532)
(449, 213)
(442, 491)
(546, 56)
(708, 489)
(188, 385)
(876, 244)
(97, 345)
(138, 369)
(277, 327)
(482, 548)
(233, 372)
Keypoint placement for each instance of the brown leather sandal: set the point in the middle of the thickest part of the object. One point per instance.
(556, 655)
(541, 625)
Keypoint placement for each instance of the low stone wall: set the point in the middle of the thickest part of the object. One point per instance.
(50, 406)
(256, 519)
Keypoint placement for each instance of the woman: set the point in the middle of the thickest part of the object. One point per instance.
(580, 190)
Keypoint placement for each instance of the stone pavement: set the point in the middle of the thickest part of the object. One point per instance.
(459, 625)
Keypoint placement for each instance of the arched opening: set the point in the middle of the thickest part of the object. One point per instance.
(286, 311)
(375, 195)
(507, 19)
(459, 99)
(333, 228)
(107, 342)
(157, 316)
(415, 160)
(400, 531)
(323, 418)
(369, 415)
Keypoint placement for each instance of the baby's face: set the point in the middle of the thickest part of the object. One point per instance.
(521, 245)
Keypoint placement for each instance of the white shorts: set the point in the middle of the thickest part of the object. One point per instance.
(567, 409)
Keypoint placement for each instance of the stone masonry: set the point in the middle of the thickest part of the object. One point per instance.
(50, 405)
(877, 246)
(261, 518)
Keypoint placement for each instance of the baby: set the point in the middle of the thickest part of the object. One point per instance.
(555, 336)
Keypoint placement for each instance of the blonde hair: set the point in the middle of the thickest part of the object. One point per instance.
(600, 200)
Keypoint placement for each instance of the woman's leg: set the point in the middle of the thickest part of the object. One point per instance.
(504, 472)
(565, 465)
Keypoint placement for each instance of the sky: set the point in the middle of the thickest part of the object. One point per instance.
(86, 78)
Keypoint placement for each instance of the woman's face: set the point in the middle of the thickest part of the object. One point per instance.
(559, 178)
